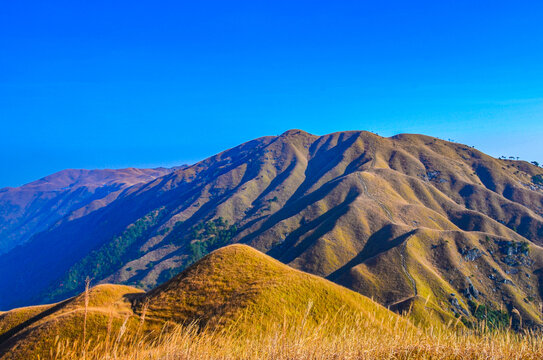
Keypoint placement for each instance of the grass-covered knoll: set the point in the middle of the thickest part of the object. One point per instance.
(34, 331)
(238, 284)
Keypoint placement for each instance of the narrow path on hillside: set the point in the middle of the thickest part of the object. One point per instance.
(404, 266)
(381, 205)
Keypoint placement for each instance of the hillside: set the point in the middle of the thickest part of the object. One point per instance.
(31, 331)
(409, 219)
(34, 207)
(233, 285)
(240, 284)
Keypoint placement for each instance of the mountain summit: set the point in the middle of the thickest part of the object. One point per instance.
(409, 220)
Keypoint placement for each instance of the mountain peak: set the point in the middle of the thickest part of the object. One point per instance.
(295, 132)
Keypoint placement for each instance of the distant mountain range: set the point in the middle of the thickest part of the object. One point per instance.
(34, 207)
(411, 221)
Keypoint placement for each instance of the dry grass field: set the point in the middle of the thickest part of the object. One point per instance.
(363, 338)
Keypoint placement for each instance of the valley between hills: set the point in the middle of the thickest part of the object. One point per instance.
(338, 234)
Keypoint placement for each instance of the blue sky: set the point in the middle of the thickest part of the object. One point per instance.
(107, 84)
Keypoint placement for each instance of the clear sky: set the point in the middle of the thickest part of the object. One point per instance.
(97, 84)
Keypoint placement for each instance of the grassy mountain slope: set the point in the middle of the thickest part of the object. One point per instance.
(236, 285)
(406, 219)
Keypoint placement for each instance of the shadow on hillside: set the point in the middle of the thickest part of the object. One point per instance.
(291, 248)
(5, 337)
(382, 240)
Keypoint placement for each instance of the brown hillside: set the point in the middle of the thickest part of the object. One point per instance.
(384, 216)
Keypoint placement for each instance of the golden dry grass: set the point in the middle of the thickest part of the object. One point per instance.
(297, 339)
(267, 312)
(34, 333)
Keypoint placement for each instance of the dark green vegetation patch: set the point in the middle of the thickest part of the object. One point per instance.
(110, 256)
(537, 179)
(490, 317)
(209, 236)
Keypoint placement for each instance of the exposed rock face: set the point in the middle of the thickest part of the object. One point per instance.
(471, 254)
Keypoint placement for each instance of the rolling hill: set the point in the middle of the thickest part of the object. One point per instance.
(407, 220)
(233, 285)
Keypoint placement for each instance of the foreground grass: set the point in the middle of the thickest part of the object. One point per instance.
(238, 303)
(363, 338)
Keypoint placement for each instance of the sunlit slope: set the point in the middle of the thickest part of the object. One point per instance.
(240, 285)
(348, 206)
(36, 330)
(452, 273)
(233, 286)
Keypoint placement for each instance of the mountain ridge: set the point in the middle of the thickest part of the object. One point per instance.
(38, 205)
(339, 206)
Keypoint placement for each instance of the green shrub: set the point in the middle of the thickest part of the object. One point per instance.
(494, 319)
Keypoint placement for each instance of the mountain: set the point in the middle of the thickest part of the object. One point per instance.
(233, 285)
(37, 206)
(410, 220)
